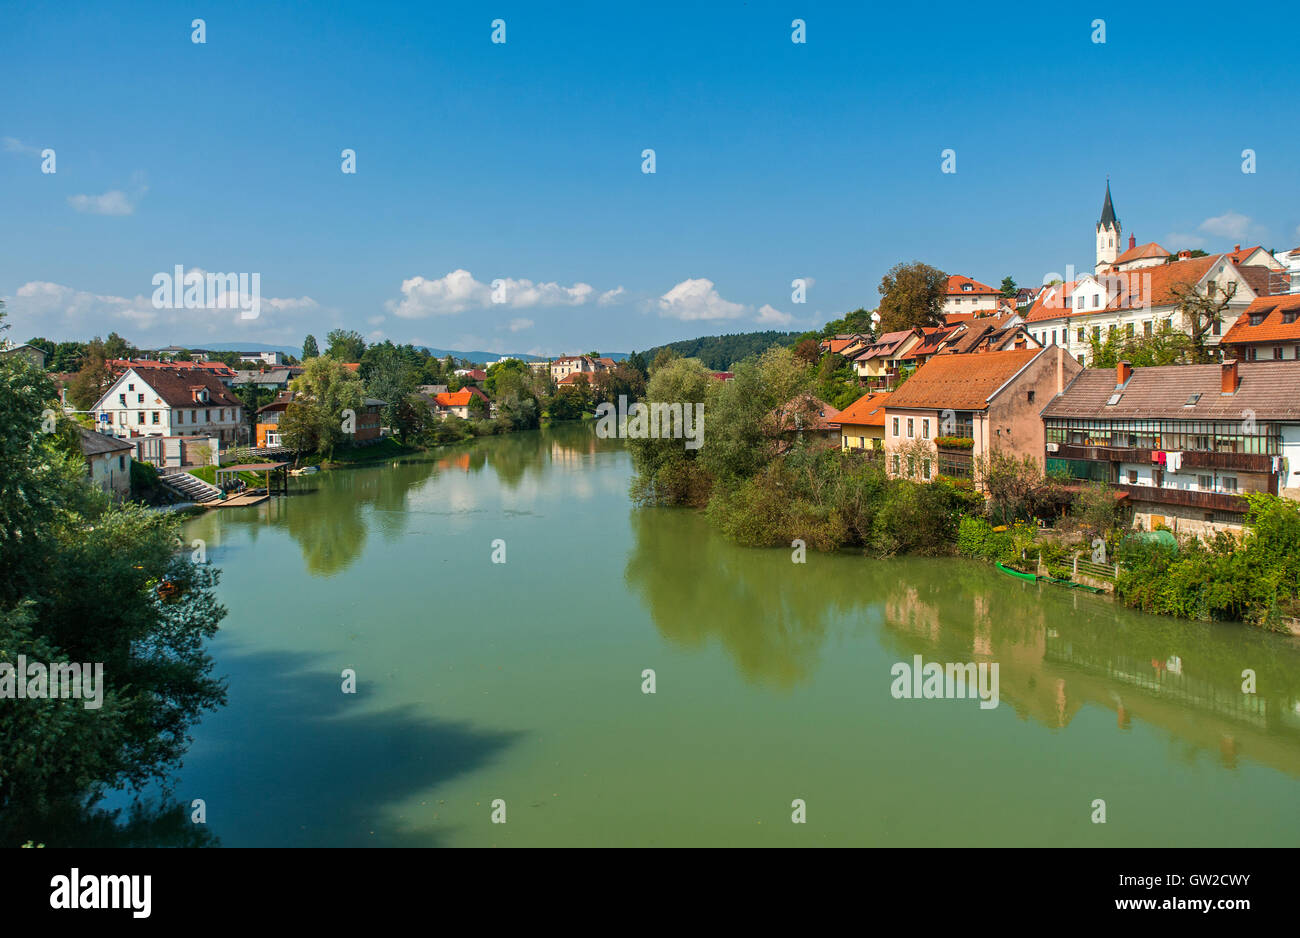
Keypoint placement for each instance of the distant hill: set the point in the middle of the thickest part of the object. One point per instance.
(481, 357)
(720, 352)
(296, 350)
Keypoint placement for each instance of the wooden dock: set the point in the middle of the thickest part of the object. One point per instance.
(235, 501)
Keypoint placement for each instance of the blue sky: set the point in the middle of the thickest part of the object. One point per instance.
(522, 161)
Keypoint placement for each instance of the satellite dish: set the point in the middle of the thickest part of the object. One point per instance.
(875, 317)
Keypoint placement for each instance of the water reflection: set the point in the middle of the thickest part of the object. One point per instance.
(1059, 651)
(331, 514)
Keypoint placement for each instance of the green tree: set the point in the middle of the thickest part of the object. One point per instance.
(79, 582)
(911, 297)
(94, 378)
(314, 421)
(309, 348)
(345, 345)
(1009, 288)
(666, 472)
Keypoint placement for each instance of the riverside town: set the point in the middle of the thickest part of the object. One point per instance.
(772, 452)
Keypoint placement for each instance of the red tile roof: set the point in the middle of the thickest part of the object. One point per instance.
(178, 386)
(1272, 328)
(1270, 389)
(459, 398)
(957, 284)
(866, 411)
(1150, 249)
(960, 382)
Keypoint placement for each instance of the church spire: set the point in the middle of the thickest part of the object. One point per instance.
(1108, 219)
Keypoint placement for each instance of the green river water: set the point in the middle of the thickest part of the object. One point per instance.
(522, 681)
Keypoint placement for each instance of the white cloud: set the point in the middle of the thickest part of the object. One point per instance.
(1178, 241)
(458, 291)
(610, 296)
(14, 145)
(1227, 225)
(769, 315)
(60, 311)
(697, 299)
(113, 202)
(519, 325)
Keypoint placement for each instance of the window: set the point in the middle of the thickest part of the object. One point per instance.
(1229, 483)
(1277, 353)
(194, 416)
(1288, 318)
(909, 428)
(1218, 327)
(1081, 333)
(1132, 477)
(1068, 301)
(1031, 397)
(207, 416)
(1205, 483)
(911, 466)
(1128, 329)
(155, 420)
(895, 429)
(121, 463)
(1096, 333)
(1146, 327)
(139, 398)
(180, 416)
(925, 429)
(1096, 300)
(895, 464)
(130, 387)
(1256, 318)
(139, 415)
(122, 398)
(925, 469)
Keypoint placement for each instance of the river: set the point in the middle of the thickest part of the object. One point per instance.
(522, 681)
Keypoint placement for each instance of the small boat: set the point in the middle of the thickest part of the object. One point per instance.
(304, 471)
(1032, 578)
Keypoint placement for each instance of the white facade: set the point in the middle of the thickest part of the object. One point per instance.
(1075, 330)
(132, 407)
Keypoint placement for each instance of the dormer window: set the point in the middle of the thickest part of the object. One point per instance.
(966, 286)
(1256, 318)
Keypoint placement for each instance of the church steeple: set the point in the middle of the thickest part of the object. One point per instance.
(1108, 219)
(1108, 235)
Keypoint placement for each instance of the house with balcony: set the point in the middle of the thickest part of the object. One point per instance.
(1183, 443)
(267, 427)
(878, 364)
(958, 409)
(845, 344)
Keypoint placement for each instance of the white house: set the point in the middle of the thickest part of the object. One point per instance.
(964, 295)
(108, 461)
(169, 402)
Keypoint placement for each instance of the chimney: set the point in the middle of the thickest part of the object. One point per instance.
(1060, 369)
(1132, 242)
(1123, 371)
(1230, 380)
(1184, 255)
(1236, 248)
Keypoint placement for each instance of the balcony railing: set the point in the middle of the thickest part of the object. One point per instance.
(1242, 462)
(1208, 501)
(1192, 459)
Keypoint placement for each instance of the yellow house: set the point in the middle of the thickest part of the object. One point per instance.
(862, 423)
